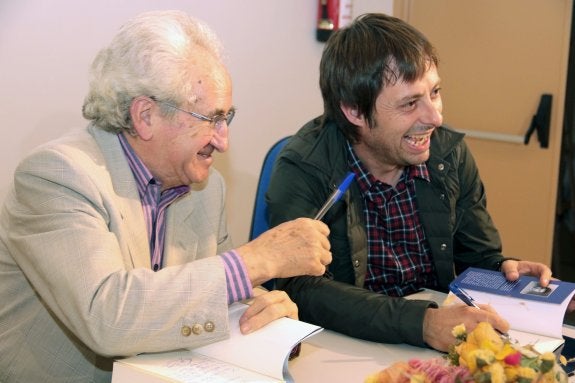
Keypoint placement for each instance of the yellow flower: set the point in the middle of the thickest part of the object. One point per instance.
(482, 356)
(526, 374)
(511, 373)
(497, 373)
(547, 362)
(477, 358)
(464, 351)
(505, 351)
(484, 336)
(459, 332)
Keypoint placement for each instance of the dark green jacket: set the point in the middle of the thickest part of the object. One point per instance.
(452, 209)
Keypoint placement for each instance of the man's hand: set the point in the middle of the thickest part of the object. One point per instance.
(297, 247)
(266, 308)
(438, 323)
(512, 269)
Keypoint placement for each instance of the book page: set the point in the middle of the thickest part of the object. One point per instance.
(266, 350)
(182, 366)
(540, 343)
(525, 315)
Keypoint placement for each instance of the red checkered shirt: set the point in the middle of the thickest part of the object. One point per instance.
(399, 258)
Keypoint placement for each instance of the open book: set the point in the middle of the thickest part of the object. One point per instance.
(261, 356)
(535, 314)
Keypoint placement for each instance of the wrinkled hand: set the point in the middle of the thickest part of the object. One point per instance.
(298, 247)
(438, 323)
(266, 308)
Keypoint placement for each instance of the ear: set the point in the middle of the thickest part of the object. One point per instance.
(141, 114)
(353, 115)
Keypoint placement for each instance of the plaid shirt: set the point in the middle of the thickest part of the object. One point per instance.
(399, 258)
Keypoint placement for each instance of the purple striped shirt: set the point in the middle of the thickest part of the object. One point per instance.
(154, 205)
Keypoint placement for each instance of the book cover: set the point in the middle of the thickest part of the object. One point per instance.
(525, 288)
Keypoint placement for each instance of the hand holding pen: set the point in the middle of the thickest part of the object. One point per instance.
(297, 247)
(469, 301)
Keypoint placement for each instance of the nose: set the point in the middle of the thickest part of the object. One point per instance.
(220, 138)
(433, 112)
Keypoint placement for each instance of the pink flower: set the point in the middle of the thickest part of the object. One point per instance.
(437, 370)
(513, 359)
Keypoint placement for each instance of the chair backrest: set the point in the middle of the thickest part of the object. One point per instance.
(259, 217)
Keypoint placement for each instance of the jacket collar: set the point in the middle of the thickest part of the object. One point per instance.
(329, 146)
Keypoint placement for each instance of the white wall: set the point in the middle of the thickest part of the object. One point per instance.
(46, 47)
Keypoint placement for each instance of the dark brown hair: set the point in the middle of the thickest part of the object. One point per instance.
(359, 60)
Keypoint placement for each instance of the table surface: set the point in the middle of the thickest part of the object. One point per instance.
(332, 357)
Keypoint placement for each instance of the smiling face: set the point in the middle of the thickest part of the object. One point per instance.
(178, 149)
(405, 116)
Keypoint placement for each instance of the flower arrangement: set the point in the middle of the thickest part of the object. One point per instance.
(481, 356)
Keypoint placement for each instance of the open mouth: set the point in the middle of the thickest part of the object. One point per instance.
(206, 152)
(419, 140)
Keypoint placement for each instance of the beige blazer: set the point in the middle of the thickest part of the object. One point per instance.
(76, 288)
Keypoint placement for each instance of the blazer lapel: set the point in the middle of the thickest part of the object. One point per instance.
(128, 199)
(181, 226)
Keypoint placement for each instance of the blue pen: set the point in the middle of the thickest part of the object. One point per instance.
(462, 294)
(466, 298)
(335, 196)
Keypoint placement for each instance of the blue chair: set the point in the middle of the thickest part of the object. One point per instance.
(260, 214)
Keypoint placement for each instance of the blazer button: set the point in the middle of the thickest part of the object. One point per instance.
(440, 167)
(443, 247)
(186, 330)
(356, 263)
(209, 326)
(197, 329)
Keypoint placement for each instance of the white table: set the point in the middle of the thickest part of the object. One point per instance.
(325, 357)
(332, 357)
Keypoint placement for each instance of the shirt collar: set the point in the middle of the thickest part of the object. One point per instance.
(366, 180)
(142, 174)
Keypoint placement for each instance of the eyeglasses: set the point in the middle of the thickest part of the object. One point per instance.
(216, 120)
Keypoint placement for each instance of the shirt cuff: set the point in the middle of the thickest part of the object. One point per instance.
(238, 284)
